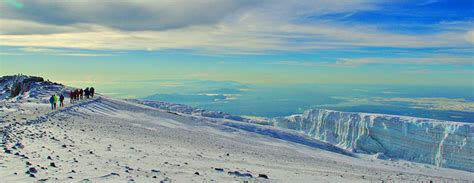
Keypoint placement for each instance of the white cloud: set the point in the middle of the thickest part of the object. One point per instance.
(57, 52)
(301, 63)
(470, 36)
(457, 60)
(222, 27)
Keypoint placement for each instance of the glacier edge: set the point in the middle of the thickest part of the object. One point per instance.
(441, 143)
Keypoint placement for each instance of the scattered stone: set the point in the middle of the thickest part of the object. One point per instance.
(196, 173)
(52, 164)
(28, 163)
(156, 171)
(166, 180)
(49, 157)
(262, 176)
(32, 170)
(239, 174)
(219, 169)
(111, 174)
(85, 180)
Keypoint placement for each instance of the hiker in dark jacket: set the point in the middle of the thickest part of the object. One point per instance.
(61, 100)
(92, 90)
(71, 96)
(81, 92)
(86, 92)
(51, 100)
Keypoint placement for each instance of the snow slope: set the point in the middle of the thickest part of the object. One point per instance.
(441, 143)
(112, 140)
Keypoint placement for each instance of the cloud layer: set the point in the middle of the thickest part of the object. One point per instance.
(212, 26)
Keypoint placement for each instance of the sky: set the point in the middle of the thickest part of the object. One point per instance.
(80, 42)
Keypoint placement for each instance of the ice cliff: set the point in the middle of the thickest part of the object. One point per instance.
(441, 143)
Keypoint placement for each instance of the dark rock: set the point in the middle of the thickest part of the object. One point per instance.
(196, 173)
(32, 175)
(32, 170)
(166, 180)
(239, 174)
(49, 157)
(263, 176)
(28, 163)
(19, 145)
(219, 169)
(156, 171)
(52, 164)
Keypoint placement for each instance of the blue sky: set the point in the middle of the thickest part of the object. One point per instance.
(261, 41)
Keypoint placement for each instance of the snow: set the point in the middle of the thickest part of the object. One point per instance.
(441, 143)
(36, 89)
(112, 140)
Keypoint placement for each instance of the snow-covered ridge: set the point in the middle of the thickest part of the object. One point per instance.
(23, 88)
(441, 143)
(185, 109)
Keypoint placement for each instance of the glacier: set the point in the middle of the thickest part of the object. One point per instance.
(437, 142)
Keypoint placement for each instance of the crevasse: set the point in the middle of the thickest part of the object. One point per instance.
(441, 143)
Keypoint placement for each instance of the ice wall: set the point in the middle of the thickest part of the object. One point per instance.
(441, 143)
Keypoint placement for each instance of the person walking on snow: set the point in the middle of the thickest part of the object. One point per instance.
(92, 90)
(61, 100)
(51, 100)
(56, 99)
(71, 96)
(86, 92)
(81, 92)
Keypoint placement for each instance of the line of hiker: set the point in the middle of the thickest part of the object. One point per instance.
(74, 95)
(78, 94)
